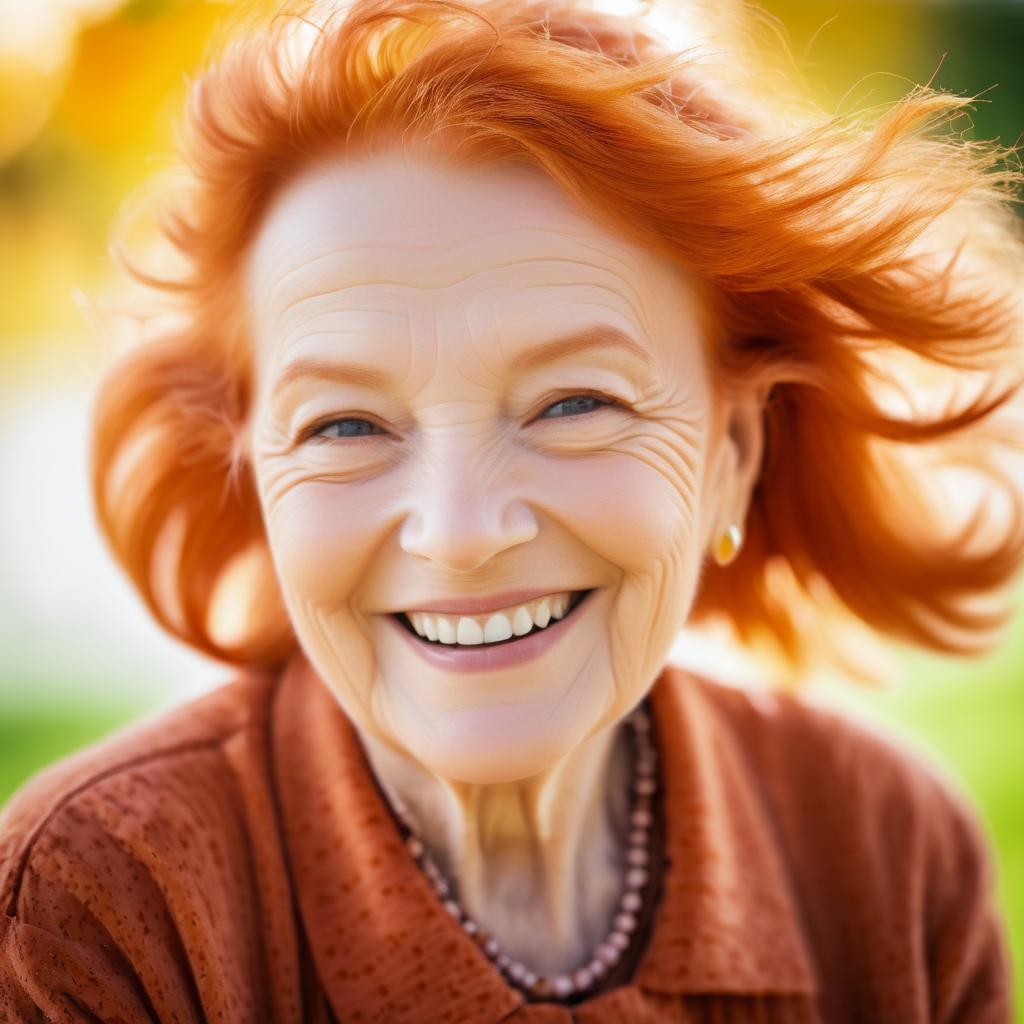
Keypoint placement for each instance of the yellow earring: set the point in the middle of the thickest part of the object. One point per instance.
(728, 545)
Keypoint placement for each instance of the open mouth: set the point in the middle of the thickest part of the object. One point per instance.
(576, 599)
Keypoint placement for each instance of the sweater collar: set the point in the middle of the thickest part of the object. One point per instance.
(729, 919)
(380, 938)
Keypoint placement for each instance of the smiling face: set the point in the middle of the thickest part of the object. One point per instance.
(470, 394)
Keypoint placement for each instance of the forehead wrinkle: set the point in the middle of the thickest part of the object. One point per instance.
(294, 309)
(368, 340)
(288, 341)
(588, 241)
(554, 303)
(637, 316)
(477, 346)
(294, 334)
(309, 264)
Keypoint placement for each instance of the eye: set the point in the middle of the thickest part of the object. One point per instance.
(352, 426)
(340, 429)
(575, 405)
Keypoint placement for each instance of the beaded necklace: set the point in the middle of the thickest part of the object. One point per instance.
(607, 953)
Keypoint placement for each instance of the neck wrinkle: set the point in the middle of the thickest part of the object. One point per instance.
(538, 861)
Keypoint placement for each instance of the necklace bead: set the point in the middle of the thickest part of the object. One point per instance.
(641, 818)
(631, 902)
(606, 954)
(583, 978)
(563, 985)
(636, 878)
(625, 922)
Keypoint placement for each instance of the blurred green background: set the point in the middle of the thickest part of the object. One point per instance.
(89, 94)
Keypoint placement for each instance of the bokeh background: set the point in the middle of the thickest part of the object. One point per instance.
(90, 92)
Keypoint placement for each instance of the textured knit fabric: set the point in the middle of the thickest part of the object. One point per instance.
(232, 860)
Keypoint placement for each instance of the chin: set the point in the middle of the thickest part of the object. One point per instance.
(498, 744)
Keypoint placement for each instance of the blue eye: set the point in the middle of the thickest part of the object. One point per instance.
(337, 429)
(347, 427)
(574, 405)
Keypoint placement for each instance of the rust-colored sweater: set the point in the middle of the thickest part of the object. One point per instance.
(231, 860)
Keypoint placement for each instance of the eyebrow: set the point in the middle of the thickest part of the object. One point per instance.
(599, 337)
(346, 373)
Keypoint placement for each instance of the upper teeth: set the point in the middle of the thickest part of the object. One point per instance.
(486, 629)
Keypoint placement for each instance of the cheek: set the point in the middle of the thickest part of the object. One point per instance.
(635, 510)
(322, 537)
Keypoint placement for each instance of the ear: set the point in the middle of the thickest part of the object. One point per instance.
(737, 447)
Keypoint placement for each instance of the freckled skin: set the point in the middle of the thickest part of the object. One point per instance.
(460, 486)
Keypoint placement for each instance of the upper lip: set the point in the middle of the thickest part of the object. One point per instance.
(484, 603)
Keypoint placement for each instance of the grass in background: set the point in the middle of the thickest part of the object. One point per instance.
(33, 736)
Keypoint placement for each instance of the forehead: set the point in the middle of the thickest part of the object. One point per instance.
(399, 235)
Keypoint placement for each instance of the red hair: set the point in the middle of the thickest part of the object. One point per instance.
(833, 250)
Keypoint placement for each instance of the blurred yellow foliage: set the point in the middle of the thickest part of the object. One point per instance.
(73, 143)
(44, 257)
(128, 75)
(26, 95)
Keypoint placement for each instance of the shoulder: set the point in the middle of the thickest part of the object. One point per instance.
(129, 871)
(147, 768)
(847, 791)
(799, 744)
(882, 839)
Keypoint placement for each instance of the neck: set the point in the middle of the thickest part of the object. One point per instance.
(537, 862)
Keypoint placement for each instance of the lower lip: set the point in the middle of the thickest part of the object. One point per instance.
(481, 658)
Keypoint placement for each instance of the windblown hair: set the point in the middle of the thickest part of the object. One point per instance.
(835, 251)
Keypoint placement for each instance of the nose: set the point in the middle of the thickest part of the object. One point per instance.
(463, 510)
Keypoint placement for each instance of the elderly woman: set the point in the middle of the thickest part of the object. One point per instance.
(507, 340)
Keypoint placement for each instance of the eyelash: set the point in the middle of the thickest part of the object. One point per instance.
(312, 432)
